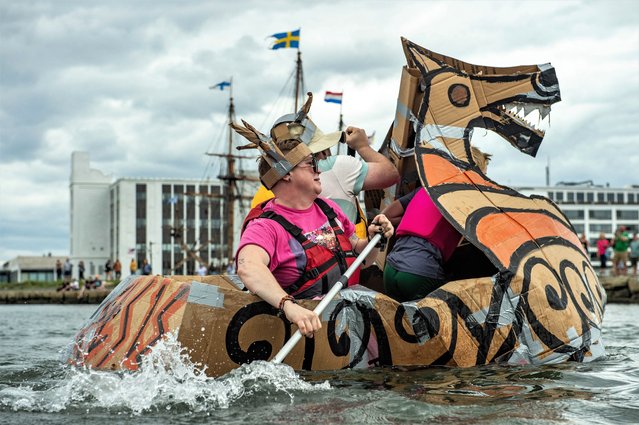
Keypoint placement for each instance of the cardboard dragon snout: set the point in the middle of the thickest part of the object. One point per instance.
(522, 290)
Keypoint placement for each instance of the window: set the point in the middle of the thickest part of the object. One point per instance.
(598, 228)
(600, 214)
(610, 197)
(574, 214)
(551, 196)
(571, 196)
(580, 197)
(631, 198)
(619, 198)
(590, 197)
(559, 196)
(579, 228)
(601, 197)
(627, 214)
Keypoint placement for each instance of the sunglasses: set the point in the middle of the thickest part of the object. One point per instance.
(313, 163)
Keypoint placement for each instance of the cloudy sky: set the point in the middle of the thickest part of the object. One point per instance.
(127, 81)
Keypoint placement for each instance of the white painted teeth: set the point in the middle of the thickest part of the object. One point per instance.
(532, 115)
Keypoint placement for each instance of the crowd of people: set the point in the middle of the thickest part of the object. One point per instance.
(621, 250)
(112, 272)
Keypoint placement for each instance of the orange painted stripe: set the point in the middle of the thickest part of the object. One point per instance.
(439, 171)
(504, 233)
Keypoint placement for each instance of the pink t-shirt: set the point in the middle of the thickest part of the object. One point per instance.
(287, 259)
(602, 245)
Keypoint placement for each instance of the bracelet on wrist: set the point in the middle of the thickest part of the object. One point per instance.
(285, 298)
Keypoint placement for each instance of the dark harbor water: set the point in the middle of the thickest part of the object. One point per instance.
(36, 388)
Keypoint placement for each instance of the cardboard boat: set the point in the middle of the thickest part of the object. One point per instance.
(521, 290)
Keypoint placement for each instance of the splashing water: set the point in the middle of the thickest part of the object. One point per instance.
(168, 379)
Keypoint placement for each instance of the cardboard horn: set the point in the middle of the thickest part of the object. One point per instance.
(290, 344)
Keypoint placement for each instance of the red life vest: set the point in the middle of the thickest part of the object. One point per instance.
(323, 266)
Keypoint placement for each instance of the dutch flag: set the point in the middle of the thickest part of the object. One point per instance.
(333, 97)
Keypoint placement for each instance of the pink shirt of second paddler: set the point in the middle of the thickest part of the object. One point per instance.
(287, 258)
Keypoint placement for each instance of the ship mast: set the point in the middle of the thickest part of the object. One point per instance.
(230, 179)
(299, 78)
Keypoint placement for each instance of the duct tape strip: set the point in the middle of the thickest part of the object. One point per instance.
(402, 153)
(202, 293)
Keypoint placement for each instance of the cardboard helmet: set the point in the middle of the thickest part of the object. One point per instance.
(300, 127)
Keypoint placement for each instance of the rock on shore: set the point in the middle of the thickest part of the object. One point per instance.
(51, 296)
(621, 289)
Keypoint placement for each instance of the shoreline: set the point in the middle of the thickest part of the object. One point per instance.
(619, 289)
(51, 296)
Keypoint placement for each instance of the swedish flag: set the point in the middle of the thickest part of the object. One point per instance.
(285, 40)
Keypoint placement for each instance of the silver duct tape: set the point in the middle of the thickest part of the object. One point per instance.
(204, 294)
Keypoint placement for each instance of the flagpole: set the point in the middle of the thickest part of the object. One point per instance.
(350, 151)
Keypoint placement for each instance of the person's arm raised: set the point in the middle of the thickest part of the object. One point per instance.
(252, 267)
(381, 172)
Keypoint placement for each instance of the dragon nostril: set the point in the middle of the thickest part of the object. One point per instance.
(459, 95)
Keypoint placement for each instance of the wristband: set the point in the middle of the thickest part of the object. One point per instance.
(285, 298)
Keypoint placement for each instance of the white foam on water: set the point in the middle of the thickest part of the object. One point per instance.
(167, 378)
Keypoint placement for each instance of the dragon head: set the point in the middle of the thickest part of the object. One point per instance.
(454, 97)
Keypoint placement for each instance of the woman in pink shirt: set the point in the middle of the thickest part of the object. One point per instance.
(602, 247)
(296, 243)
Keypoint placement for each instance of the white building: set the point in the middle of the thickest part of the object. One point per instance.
(30, 268)
(594, 209)
(172, 223)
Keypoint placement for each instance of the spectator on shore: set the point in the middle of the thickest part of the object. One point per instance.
(620, 245)
(74, 285)
(201, 271)
(146, 267)
(93, 282)
(67, 271)
(584, 242)
(117, 268)
(81, 270)
(97, 283)
(108, 268)
(58, 269)
(133, 266)
(602, 250)
(230, 267)
(634, 254)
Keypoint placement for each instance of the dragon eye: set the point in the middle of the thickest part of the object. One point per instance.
(459, 95)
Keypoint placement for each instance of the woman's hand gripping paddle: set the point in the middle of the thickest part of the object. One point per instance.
(286, 349)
